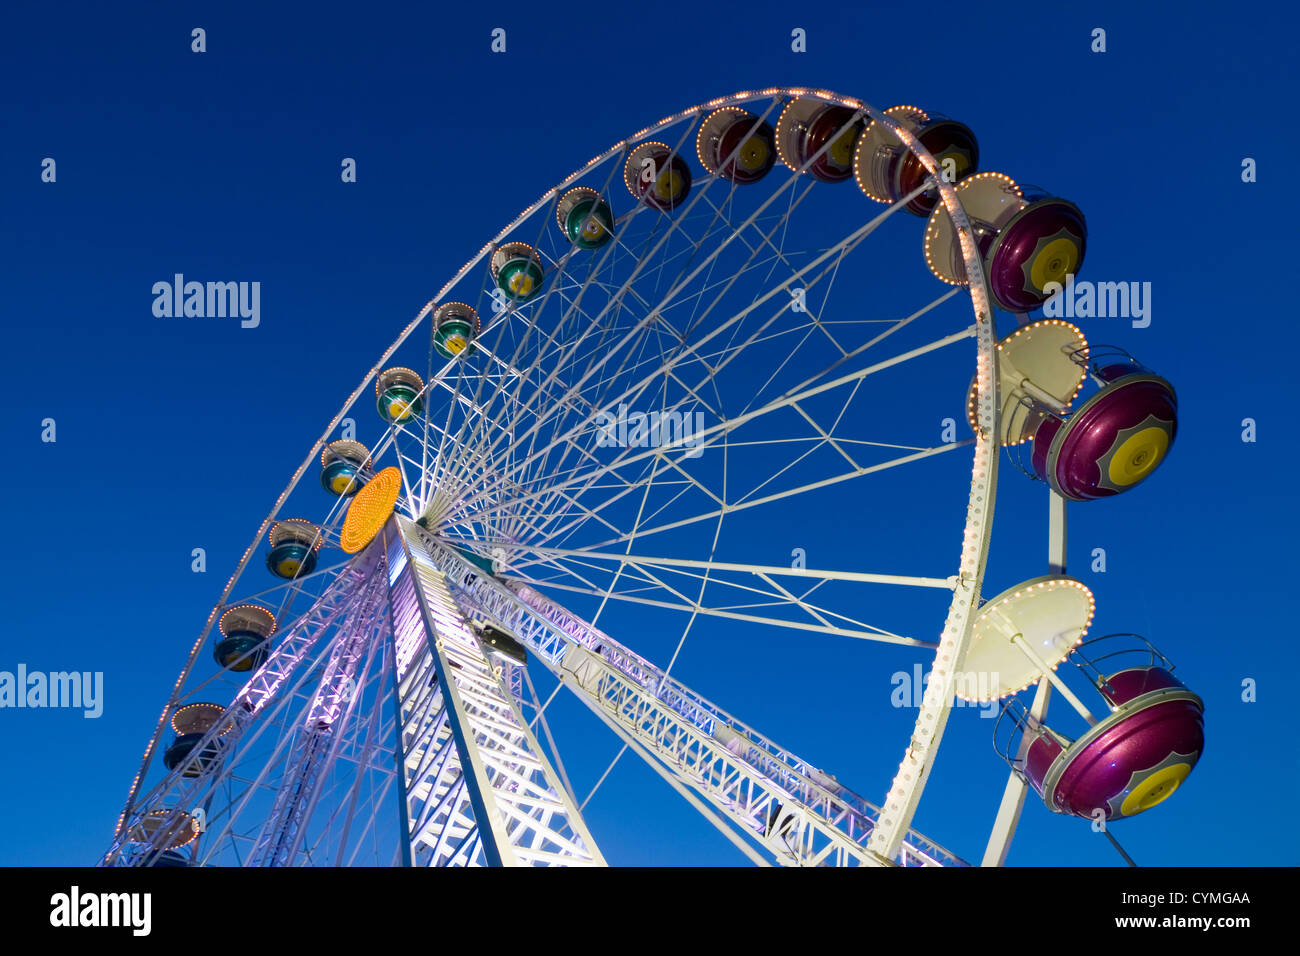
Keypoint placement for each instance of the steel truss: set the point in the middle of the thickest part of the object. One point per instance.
(478, 788)
(795, 812)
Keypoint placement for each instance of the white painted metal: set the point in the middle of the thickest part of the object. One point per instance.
(909, 782)
(795, 812)
(475, 786)
(478, 787)
(1013, 796)
(1047, 671)
(267, 702)
(317, 739)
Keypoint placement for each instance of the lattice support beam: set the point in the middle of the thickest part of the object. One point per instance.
(479, 787)
(798, 814)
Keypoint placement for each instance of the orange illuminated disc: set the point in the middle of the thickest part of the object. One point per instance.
(370, 509)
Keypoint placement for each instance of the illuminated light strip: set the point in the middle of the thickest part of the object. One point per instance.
(909, 782)
(301, 524)
(910, 112)
(739, 115)
(932, 225)
(340, 598)
(328, 450)
(398, 375)
(316, 747)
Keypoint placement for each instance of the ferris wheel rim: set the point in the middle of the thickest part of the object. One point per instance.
(983, 480)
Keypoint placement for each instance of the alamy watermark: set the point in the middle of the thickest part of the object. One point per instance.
(1099, 300)
(208, 300)
(974, 688)
(133, 911)
(629, 429)
(75, 689)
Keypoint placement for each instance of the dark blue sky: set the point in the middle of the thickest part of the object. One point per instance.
(179, 434)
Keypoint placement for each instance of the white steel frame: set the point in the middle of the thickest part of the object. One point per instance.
(536, 491)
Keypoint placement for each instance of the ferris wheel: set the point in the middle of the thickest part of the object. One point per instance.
(713, 333)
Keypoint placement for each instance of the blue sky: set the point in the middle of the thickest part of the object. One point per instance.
(178, 434)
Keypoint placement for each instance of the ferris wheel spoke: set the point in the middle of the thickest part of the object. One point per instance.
(640, 516)
(735, 507)
(862, 232)
(896, 325)
(816, 323)
(565, 401)
(527, 518)
(348, 812)
(190, 793)
(370, 827)
(868, 635)
(668, 232)
(821, 620)
(675, 730)
(826, 437)
(803, 489)
(653, 582)
(371, 719)
(548, 344)
(758, 569)
(583, 451)
(289, 705)
(761, 300)
(854, 466)
(588, 481)
(279, 717)
(520, 378)
(833, 255)
(813, 611)
(703, 197)
(472, 429)
(712, 434)
(729, 353)
(779, 256)
(508, 324)
(654, 468)
(544, 466)
(440, 457)
(402, 461)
